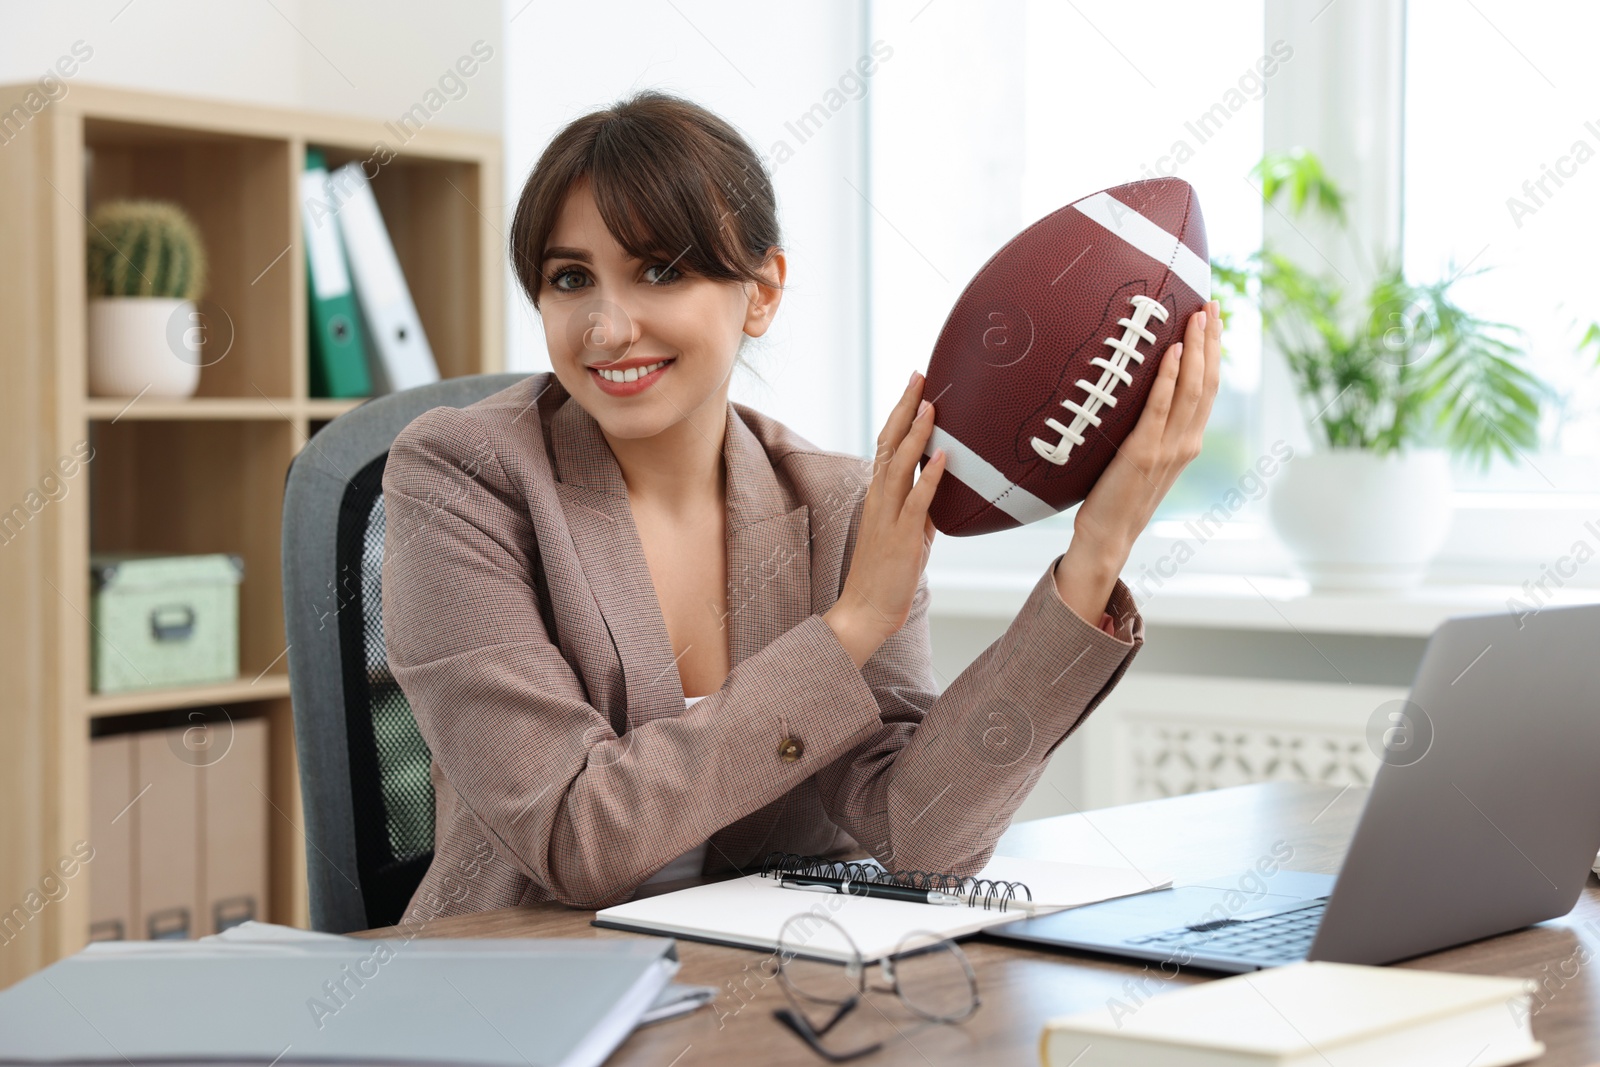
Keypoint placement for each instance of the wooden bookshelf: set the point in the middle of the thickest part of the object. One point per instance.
(264, 687)
(203, 474)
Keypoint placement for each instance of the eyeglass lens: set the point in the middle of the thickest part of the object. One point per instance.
(932, 978)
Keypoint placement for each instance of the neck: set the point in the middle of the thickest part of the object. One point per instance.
(681, 465)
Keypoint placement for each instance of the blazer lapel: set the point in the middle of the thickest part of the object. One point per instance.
(595, 500)
(769, 592)
(769, 548)
(769, 561)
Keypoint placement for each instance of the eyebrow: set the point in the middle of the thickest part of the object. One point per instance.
(566, 253)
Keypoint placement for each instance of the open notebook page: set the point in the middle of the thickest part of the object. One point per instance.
(749, 911)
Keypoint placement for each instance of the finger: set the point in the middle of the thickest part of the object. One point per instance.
(1158, 405)
(1214, 344)
(1186, 390)
(895, 425)
(897, 481)
(1192, 372)
(921, 496)
(899, 421)
(1213, 377)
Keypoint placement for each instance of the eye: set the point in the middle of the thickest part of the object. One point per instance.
(669, 275)
(555, 279)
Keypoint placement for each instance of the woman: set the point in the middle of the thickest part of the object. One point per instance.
(650, 633)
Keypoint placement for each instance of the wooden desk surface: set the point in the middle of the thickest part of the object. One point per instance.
(1195, 836)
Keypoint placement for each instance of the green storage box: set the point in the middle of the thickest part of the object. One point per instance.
(162, 620)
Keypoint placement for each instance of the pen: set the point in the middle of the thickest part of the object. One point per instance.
(869, 889)
(823, 884)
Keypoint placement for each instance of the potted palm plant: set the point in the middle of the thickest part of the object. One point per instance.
(146, 268)
(1395, 380)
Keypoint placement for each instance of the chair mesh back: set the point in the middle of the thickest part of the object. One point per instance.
(389, 760)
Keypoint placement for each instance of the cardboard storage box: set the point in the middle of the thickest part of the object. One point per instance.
(162, 620)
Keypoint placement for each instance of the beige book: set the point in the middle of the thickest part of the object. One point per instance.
(111, 791)
(234, 825)
(1308, 1013)
(166, 859)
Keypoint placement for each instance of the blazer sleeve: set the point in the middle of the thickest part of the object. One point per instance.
(584, 813)
(937, 784)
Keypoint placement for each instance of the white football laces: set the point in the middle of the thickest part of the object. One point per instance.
(1112, 371)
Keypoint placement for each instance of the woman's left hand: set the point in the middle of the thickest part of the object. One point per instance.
(1163, 442)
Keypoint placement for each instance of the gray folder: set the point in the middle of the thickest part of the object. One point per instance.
(506, 1002)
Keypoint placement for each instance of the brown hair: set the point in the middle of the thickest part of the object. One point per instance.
(671, 180)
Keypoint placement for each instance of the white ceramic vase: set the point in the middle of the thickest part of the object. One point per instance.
(1354, 520)
(140, 341)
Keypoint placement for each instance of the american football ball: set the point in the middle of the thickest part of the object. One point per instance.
(1045, 362)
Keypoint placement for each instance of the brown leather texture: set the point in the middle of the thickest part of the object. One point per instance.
(567, 767)
(1023, 332)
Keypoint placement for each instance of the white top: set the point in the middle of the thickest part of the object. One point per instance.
(687, 865)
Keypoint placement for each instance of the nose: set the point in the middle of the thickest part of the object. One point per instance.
(602, 331)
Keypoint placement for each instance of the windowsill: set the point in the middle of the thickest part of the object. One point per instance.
(1251, 602)
(1237, 576)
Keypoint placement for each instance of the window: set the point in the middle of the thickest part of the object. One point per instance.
(982, 125)
(1502, 170)
(1496, 161)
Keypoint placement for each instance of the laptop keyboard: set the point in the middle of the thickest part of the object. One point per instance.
(1284, 935)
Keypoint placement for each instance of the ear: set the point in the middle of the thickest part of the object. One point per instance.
(763, 299)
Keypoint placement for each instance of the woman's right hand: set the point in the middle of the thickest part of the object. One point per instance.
(895, 535)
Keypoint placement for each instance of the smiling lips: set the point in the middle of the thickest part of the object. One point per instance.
(631, 380)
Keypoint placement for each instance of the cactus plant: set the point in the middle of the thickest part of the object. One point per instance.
(145, 248)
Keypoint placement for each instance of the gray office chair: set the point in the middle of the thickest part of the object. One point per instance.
(363, 764)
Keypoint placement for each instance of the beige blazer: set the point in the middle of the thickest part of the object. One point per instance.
(568, 768)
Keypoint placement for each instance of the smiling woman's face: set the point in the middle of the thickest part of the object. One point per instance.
(640, 345)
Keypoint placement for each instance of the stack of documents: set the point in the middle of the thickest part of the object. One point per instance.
(262, 994)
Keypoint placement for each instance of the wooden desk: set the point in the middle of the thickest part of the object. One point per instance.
(1193, 836)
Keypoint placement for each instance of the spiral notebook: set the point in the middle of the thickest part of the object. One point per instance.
(748, 912)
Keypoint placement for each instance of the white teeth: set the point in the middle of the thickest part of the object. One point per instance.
(632, 374)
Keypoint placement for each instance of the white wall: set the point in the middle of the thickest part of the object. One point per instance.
(759, 67)
(358, 57)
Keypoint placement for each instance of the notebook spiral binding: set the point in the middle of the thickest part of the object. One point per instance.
(986, 893)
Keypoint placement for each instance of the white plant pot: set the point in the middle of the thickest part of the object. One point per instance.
(1352, 520)
(139, 341)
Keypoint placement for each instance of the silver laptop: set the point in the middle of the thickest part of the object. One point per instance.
(1484, 817)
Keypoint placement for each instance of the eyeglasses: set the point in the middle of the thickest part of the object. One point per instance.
(929, 974)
